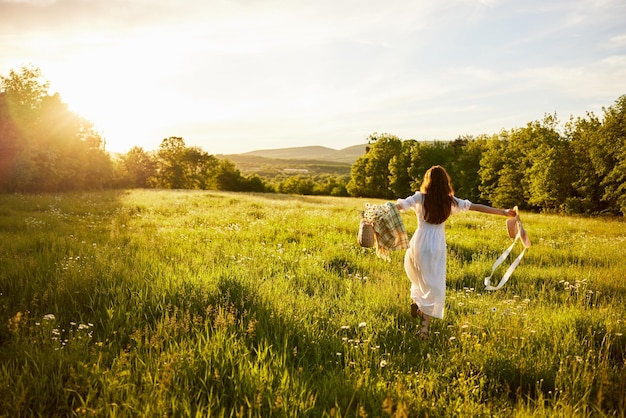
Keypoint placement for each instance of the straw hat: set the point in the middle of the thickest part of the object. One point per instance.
(516, 229)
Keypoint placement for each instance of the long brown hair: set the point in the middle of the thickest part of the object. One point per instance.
(438, 195)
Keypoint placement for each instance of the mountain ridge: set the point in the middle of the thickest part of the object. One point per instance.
(315, 152)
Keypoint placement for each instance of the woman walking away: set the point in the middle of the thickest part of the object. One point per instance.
(425, 259)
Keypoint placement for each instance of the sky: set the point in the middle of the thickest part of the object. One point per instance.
(232, 76)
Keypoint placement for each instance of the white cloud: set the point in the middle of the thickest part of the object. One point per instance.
(617, 42)
(330, 71)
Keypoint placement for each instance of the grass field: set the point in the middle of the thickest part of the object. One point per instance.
(193, 303)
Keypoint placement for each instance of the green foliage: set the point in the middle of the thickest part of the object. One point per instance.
(535, 167)
(44, 146)
(613, 133)
(177, 166)
(197, 303)
(136, 169)
(399, 166)
(467, 154)
(371, 173)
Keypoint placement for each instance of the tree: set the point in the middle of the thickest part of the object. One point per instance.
(25, 91)
(425, 155)
(399, 166)
(358, 175)
(200, 169)
(13, 165)
(465, 166)
(598, 148)
(331, 186)
(44, 146)
(21, 94)
(296, 185)
(492, 163)
(182, 167)
(169, 161)
(228, 177)
(140, 166)
(548, 165)
(613, 139)
(371, 173)
(256, 184)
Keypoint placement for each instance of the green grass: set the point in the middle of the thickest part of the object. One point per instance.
(194, 303)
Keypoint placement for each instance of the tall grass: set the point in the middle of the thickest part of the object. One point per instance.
(190, 303)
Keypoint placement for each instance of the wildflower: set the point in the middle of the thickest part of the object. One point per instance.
(452, 338)
(383, 363)
(345, 327)
(14, 323)
(362, 325)
(494, 309)
(49, 317)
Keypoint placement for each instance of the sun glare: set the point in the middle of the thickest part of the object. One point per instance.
(119, 87)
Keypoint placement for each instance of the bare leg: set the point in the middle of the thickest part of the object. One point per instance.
(417, 312)
(423, 333)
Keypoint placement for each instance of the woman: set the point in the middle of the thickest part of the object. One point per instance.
(425, 259)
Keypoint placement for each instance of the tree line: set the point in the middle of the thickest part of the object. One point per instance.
(44, 147)
(177, 166)
(581, 170)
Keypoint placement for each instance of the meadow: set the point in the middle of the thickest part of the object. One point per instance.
(195, 303)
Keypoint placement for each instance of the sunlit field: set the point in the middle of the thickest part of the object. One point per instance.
(195, 303)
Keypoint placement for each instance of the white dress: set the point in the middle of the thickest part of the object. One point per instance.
(425, 259)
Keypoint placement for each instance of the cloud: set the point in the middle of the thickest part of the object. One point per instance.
(617, 42)
(325, 70)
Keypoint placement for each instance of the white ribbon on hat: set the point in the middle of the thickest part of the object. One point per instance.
(505, 254)
(509, 271)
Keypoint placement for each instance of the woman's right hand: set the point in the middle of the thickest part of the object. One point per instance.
(511, 213)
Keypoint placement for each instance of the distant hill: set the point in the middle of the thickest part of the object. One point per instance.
(311, 161)
(347, 155)
(283, 167)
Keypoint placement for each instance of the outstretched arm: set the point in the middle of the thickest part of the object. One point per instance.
(493, 211)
